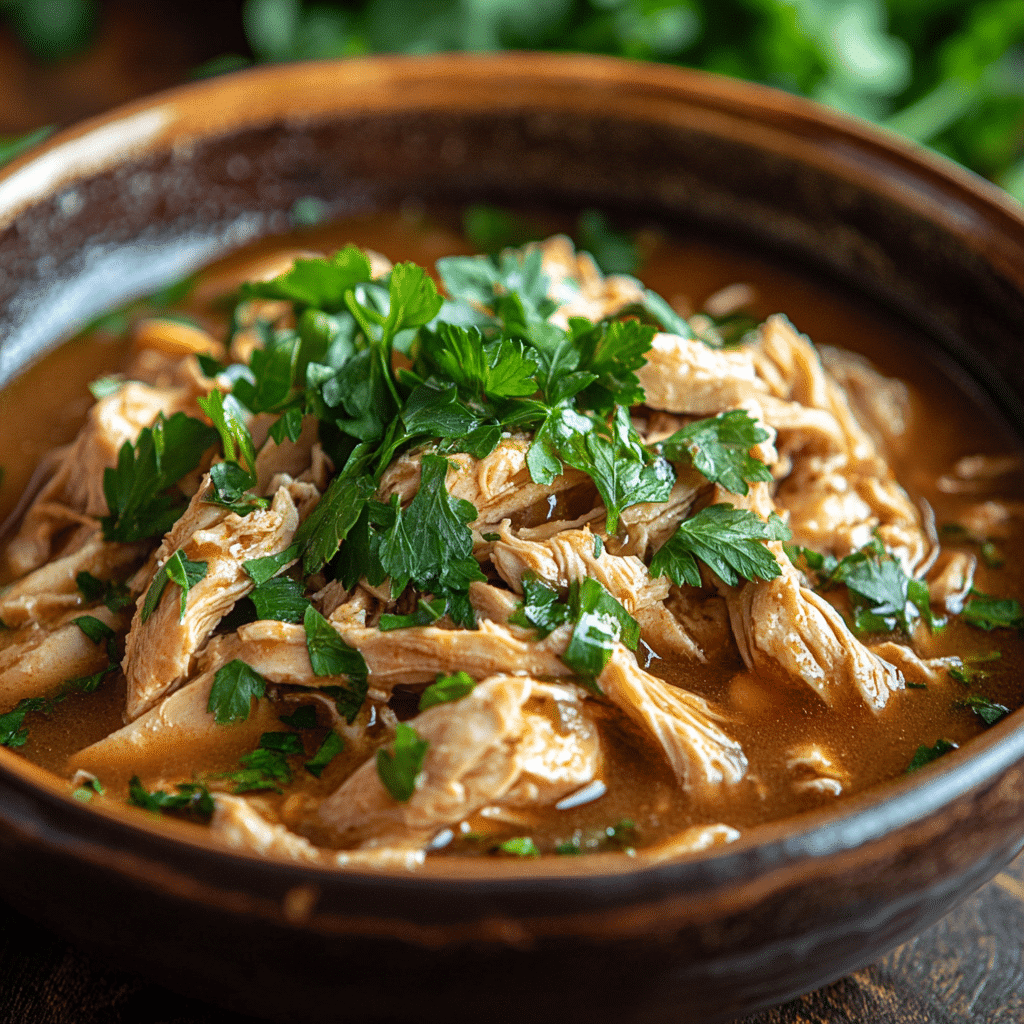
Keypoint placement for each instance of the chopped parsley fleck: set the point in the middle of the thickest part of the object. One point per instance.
(192, 799)
(399, 767)
(925, 754)
(447, 688)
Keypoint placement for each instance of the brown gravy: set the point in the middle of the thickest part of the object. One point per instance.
(46, 405)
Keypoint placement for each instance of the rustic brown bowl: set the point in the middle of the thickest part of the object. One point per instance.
(122, 203)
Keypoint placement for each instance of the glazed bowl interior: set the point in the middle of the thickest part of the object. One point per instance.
(112, 209)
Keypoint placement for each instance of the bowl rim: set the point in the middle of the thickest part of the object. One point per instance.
(894, 167)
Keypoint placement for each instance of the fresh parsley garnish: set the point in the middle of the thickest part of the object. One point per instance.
(259, 570)
(303, 717)
(925, 754)
(235, 686)
(519, 846)
(13, 731)
(332, 745)
(267, 766)
(883, 596)
(234, 478)
(728, 540)
(447, 688)
(88, 789)
(138, 491)
(98, 632)
(988, 612)
(177, 569)
(719, 448)
(987, 710)
(399, 768)
(541, 608)
(192, 799)
(280, 598)
(599, 622)
(116, 596)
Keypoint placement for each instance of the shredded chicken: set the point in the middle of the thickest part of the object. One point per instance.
(511, 741)
(493, 720)
(160, 651)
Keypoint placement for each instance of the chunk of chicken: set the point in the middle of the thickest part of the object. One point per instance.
(420, 653)
(815, 770)
(703, 757)
(881, 404)
(37, 659)
(52, 589)
(175, 739)
(579, 287)
(568, 558)
(787, 632)
(160, 652)
(237, 824)
(510, 741)
(73, 492)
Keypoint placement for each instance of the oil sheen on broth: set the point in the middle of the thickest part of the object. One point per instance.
(716, 721)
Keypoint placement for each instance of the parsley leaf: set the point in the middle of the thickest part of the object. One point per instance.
(192, 799)
(430, 542)
(520, 846)
(499, 369)
(13, 731)
(235, 685)
(88, 789)
(925, 754)
(259, 570)
(399, 768)
(600, 621)
(445, 689)
(328, 653)
(728, 540)
(98, 632)
(136, 490)
(280, 598)
(329, 523)
(882, 594)
(611, 351)
(332, 745)
(988, 612)
(319, 283)
(177, 569)
(719, 448)
(623, 470)
(987, 710)
(116, 596)
(303, 717)
(540, 608)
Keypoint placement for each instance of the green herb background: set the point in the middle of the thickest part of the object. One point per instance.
(945, 73)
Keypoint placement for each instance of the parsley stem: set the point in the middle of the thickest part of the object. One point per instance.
(381, 344)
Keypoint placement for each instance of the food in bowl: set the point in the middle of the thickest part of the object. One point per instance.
(357, 571)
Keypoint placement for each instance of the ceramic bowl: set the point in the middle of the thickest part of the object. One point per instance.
(120, 204)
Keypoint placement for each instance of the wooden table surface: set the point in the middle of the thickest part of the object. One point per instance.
(967, 969)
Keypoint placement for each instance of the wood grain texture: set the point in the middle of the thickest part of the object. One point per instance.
(967, 969)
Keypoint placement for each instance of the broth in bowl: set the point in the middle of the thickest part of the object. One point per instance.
(355, 568)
